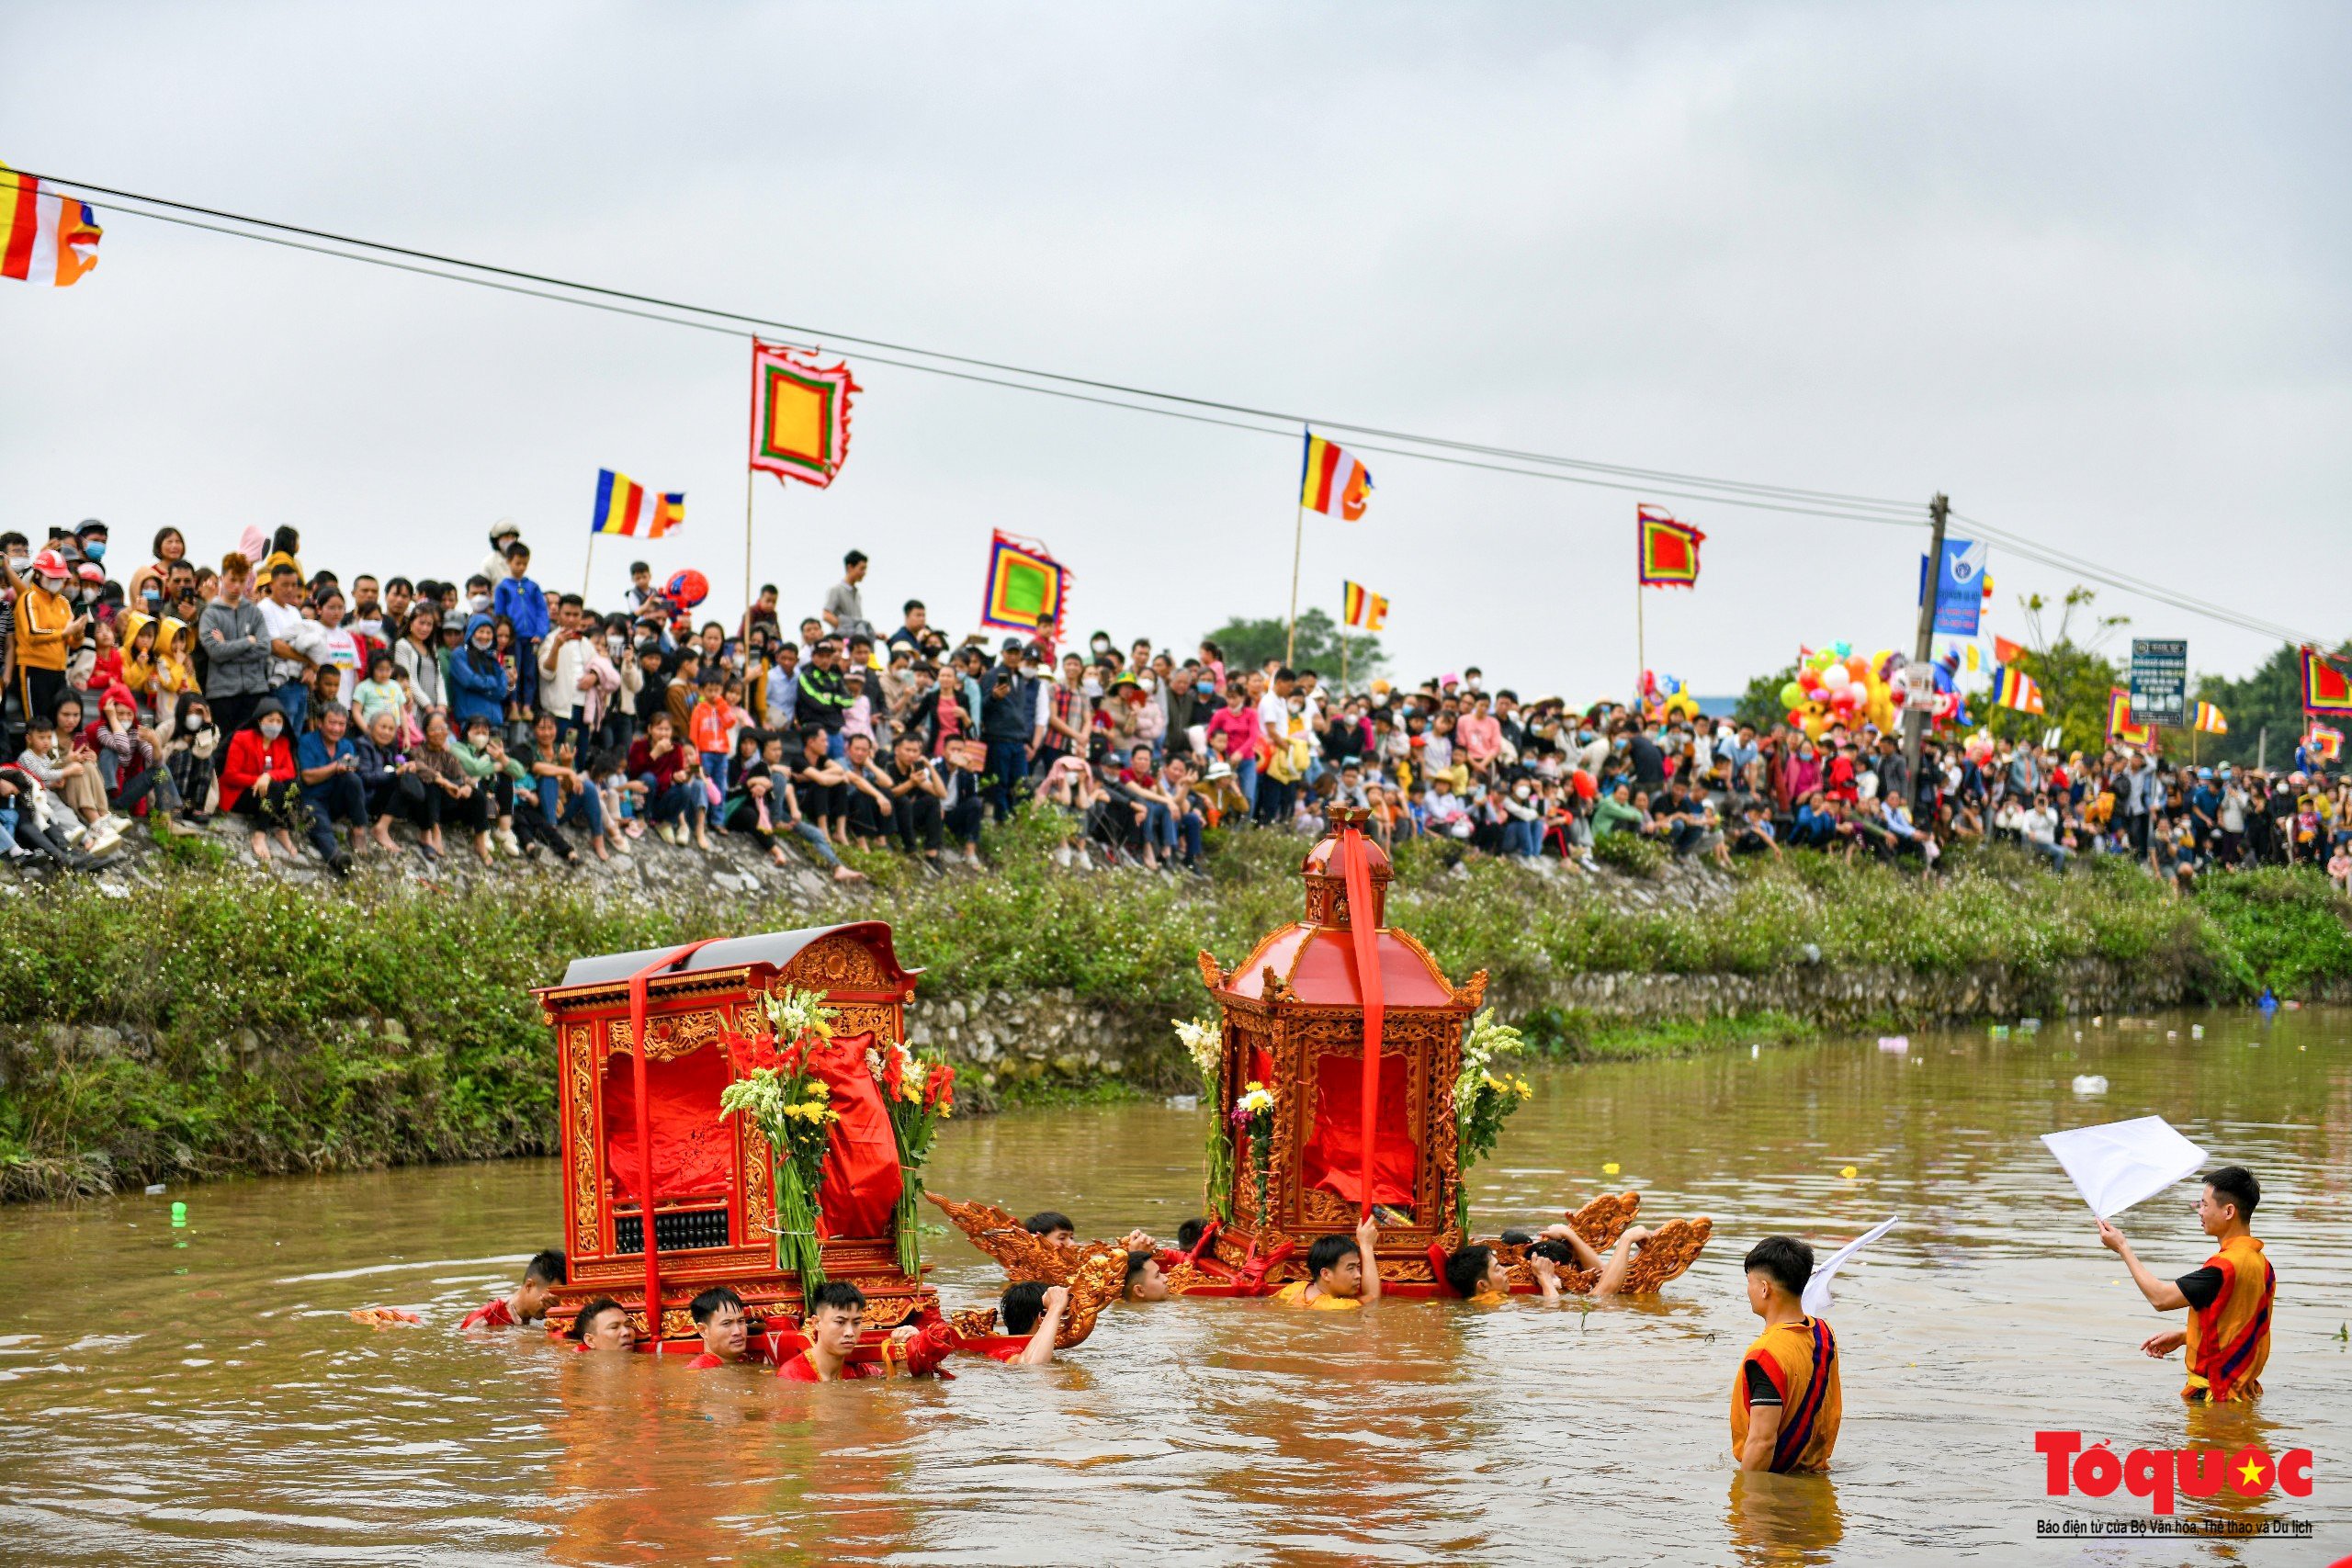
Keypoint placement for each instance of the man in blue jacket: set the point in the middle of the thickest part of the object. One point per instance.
(523, 603)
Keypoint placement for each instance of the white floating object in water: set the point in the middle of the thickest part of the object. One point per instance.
(154, 1190)
(2029, 1026)
(1754, 1051)
(2116, 1163)
(1816, 1290)
(2197, 1031)
(2172, 1034)
(2089, 1083)
(1184, 1103)
(1896, 1043)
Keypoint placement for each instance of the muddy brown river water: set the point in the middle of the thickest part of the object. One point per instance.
(201, 1397)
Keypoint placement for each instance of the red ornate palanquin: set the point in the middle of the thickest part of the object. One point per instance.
(714, 1208)
(1295, 1020)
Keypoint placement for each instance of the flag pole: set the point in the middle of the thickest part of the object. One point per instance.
(588, 570)
(751, 476)
(1297, 541)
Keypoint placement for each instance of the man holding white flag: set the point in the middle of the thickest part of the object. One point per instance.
(2229, 1299)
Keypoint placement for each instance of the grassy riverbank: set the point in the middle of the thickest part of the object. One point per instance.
(222, 1021)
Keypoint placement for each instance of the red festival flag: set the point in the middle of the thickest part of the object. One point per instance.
(2327, 691)
(2119, 719)
(1669, 550)
(799, 414)
(2004, 652)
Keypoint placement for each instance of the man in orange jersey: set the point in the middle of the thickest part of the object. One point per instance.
(1341, 1273)
(2228, 1335)
(1786, 1402)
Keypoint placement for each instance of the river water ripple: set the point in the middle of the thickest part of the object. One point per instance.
(201, 1397)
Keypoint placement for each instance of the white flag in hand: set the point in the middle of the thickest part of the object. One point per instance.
(1816, 1290)
(2116, 1163)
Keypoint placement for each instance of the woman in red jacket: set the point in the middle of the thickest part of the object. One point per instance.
(258, 780)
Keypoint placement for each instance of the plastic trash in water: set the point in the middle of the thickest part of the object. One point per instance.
(1849, 1172)
(1895, 1043)
(1999, 1032)
(179, 1216)
(2197, 1031)
(154, 1190)
(2089, 1083)
(1754, 1051)
(1184, 1103)
(1610, 1168)
(2029, 1026)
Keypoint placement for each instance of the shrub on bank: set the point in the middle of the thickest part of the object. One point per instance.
(224, 1021)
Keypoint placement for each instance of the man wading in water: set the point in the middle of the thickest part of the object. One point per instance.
(1787, 1401)
(2228, 1300)
(1337, 1277)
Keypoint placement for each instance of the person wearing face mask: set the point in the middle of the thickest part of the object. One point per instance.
(190, 756)
(477, 677)
(47, 629)
(258, 781)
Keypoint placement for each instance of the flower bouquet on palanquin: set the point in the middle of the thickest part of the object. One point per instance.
(1203, 1042)
(1253, 1116)
(792, 1107)
(919, 1093)
(1483, 1101)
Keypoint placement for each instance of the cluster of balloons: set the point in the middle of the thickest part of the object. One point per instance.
(1665, 695)
(1835, 686)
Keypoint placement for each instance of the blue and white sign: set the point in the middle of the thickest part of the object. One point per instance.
(1960, 587)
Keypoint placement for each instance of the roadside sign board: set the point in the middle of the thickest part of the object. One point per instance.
(2160, 681)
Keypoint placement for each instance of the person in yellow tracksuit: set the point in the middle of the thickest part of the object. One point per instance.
(2229, 1299)
(1787, 1400)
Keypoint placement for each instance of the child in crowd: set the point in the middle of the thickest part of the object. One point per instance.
(527, 1302)
(1786, 1401)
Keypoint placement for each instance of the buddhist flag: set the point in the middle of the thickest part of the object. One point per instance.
(44, 237)
(1027, 589)
(1362, 607)
(2327, 692)
(625, 506)
(799, 414)
(2208, 718)
(1669, 550)
(2016, 689)
(1331, 478)
(2325, 743)
(2119, 719)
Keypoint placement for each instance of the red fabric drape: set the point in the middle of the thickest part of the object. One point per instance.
(1333, 1158)
(862, 1182)
(693, 1151)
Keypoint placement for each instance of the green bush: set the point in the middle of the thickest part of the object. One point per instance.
(271, 1027)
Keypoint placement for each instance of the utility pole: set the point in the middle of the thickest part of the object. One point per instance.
(1915, 712)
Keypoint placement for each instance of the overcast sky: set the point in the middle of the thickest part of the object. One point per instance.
(2084, 268)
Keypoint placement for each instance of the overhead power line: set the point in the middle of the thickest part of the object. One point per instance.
(1248, 418)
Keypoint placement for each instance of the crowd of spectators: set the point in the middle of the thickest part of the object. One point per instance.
(490, 715)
